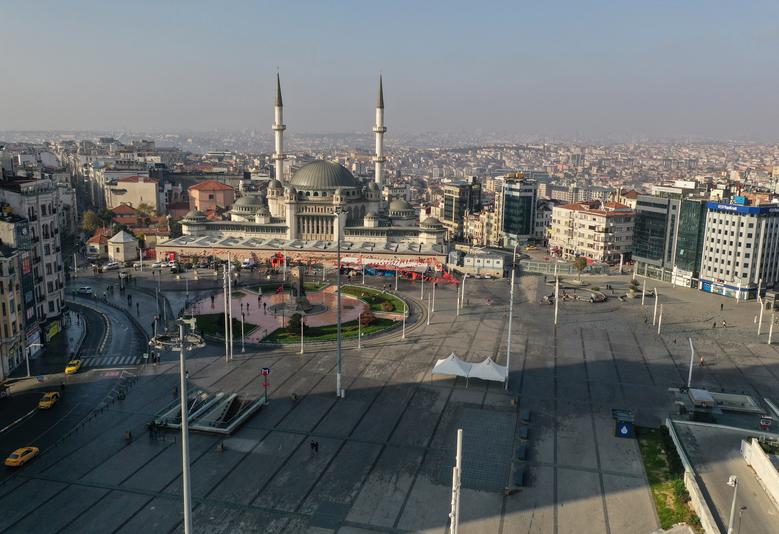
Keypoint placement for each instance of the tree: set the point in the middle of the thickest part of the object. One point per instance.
(580, 263)
(294, 323)
(90, 221)
(367, 317)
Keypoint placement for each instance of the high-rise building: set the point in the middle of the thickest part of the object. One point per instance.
(515, 205)
(668, 235)
(460, 199)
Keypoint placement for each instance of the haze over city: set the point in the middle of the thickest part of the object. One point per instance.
(584, 70)
(351, 267)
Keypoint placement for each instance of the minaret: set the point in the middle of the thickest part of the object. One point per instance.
(379, 130)
(278, 131)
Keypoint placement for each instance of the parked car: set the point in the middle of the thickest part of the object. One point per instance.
(137, 264)
(248, 263)
(84, 290)
(110, 266)
(48, 400)
(156, 265)
(21, 456)
(175, 268)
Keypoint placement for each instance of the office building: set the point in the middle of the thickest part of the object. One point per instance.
(740, 249)
(459, 199)
(516, 205)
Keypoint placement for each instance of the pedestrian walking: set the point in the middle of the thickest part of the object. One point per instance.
(313, 447)
(701, 361)
(316, 446)
(721, 306)
(714, 325)
(212, 301)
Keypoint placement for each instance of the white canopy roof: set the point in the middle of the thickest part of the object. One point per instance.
(452, 365)
(488, 370)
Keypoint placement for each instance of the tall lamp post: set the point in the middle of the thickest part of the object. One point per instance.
(187, 488)
(511, 315)
(339, 392)
(733, 483)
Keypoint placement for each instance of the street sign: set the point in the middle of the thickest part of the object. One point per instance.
(624, 429)
(265, 371)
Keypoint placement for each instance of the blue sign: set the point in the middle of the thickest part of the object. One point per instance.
(624, 429)
(744, 210)
(740, 200)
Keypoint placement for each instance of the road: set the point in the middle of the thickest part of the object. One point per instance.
(111, 343)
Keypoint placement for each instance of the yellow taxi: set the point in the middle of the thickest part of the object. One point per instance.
(48, 400)
(21, 456)
(72, 367)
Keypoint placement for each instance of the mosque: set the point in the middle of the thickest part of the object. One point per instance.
(321, 203)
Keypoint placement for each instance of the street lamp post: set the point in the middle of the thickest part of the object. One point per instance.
(227, 328)
(339, 393)
(733, 483)
(359, 331)
(243, 342)
(396, 278)
(511, 315)
(405, 312)
(301, 333)
(184, 434)
(422, 288)
(429, 310)
(435, 283)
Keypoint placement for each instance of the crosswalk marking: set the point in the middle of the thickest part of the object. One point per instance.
(108, 361)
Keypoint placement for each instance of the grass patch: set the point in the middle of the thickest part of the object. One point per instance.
(328, 332)
(238, 294)
(666, 478)
(378, 301)
(268, 287)
(315, 286)
(214, 324)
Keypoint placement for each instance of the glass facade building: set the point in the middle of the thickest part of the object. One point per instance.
(689, 242)
(649, 230)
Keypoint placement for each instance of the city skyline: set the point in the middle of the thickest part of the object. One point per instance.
(565, 71)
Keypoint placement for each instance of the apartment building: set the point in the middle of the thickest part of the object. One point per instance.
(133, 191)
(601, 232)
(37, 202)
(12, 334)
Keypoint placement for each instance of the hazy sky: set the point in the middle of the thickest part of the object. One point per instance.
(589, 68)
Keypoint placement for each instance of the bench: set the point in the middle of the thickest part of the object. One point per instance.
(523, 432)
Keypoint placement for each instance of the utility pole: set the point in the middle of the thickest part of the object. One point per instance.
(732, 482)
(654, 315)
(405, 312)
(556, 297)
(227, 320)
(339, 392)
(643, 293)
(511, 315)
(454, 515)
(184, 435)
(301, 333)
(660, 320)
(230, 300)
(692, 360)
(771, 329)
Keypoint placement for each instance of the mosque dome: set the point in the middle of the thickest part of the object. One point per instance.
(432, 223)
(320, 174)
(263, 211)
(248, 203)
(275, 184)
(399, 204)
(195, 216)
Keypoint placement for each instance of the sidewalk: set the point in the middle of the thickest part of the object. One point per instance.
(56, 353)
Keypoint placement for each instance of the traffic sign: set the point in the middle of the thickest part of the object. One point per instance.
(265, 371)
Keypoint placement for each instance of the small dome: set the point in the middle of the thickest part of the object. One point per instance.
(195, 215)
(399, 204)
(431, 222)
(263, 211)
(320, 174)
(275, 184)
(251, 202)
(373, 186)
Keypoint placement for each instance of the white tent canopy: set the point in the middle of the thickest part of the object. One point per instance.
(452, 365)
(486, 370)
